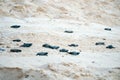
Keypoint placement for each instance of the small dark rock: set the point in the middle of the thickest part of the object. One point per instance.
(68, 31)
(16, 40)
(15, 26)
(110, 47)
(49, 46)
(15, 50)
(99, 43)
(107, 29)
(74, 53)
(73, 45)
(42, 54)
(63, 50)
(26, 45)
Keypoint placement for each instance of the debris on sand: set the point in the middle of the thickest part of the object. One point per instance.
(107, 29)
(63, 50)
(73, 45)
(49, 46)
(68, 31)
(15, 50)
(99, 43)
(26, 45)
(15, 26)
(74, 53)
(16, 40)
(110, 47)
(42, 54)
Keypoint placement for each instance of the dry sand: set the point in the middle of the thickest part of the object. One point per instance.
(47, 25)
(93, 63)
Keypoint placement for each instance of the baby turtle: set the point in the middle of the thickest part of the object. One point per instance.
(15, 26)
(107, 29)
(49, 46)
(74, 53)
(26, 45)
(73, 45)
(99, 43)
(2, 49)
(68, 31)
(110, 47)
(42, 54)
(16, 40)
(63, 50)
(15, 50)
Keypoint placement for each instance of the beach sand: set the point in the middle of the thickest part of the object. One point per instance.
(95, 62)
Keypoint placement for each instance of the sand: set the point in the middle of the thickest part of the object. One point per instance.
(93, 63)
(105, 12)
(47, 25)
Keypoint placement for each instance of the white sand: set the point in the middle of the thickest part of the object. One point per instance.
(93, 61)
(48, 26)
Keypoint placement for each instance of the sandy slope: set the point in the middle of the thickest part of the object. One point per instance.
(101, 11)
(93, 63)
